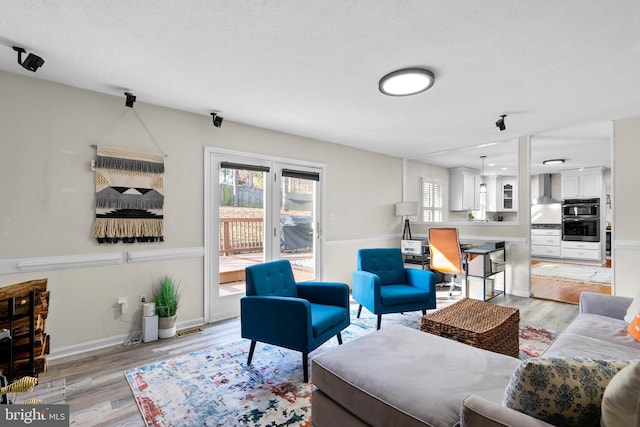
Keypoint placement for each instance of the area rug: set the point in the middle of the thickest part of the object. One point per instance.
(534, 341)
(572, 273)
(215, 387)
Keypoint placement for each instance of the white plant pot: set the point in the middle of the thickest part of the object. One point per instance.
(166, 327)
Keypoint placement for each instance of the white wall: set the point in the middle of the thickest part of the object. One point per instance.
(626, 206)
(47, 201)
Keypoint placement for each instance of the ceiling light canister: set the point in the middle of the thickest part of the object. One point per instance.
(407, 81)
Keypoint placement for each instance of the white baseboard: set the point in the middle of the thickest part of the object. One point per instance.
(102, 343)
(524, 294)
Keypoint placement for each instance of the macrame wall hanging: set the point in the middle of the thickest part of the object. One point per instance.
(129, 191)
(129, 196)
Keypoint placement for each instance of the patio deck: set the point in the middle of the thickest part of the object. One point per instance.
(232, 279)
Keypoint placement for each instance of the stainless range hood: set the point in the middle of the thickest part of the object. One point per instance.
(544, 194)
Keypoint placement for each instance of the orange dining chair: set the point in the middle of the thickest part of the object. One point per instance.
(444, 248)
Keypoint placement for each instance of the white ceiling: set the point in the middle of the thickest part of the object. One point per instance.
(311, 68)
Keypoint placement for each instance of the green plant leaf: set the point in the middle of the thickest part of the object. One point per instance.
(166, 297)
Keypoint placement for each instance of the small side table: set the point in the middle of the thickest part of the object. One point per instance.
(485, 270)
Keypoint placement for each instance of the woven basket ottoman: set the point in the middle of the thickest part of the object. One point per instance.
(477, 323)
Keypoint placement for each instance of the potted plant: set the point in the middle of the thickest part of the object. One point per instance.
(166, 298)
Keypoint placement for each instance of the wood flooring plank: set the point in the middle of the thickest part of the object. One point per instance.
(564, 291)
(103, 414)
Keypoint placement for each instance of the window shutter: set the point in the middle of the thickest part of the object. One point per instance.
(432, 199)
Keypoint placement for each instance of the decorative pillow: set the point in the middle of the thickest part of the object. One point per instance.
(633, 309)
(561, 391)
(634, 327)
(621, 399)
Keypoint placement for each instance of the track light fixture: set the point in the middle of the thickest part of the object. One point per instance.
(131, 98)
(32, 62)
(500, 123)
(217, 120)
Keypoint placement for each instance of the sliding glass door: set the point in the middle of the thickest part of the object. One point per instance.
(257, 210)
(299, 225)
(242, 222)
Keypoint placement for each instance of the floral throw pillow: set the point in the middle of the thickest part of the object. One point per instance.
(561, 391)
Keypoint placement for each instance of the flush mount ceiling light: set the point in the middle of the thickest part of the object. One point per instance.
(553, 162)
(407, 81)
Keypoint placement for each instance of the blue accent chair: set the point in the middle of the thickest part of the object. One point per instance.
(298, 316)
(383, 285)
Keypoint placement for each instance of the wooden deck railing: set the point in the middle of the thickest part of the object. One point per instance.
(241, 235)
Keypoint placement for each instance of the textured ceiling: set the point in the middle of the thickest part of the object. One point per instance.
(311, 68)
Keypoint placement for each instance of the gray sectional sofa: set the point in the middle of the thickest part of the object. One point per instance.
(399, 376)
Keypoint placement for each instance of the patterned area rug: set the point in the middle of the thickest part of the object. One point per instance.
(534, 341)
(215, 387)
(573, 273)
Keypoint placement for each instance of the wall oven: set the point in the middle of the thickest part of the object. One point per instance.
(575, 208)
(581, 229)
(581, 220)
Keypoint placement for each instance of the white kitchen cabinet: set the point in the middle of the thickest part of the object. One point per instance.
(545, 242)
(507, 192)
(590, 184)
(581, 250)
(464, 189)
(570, 185)
(585, 183)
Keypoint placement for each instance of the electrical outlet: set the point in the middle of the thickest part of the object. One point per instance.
(142, 300)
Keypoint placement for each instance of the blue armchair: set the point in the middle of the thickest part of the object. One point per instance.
(383, 285)
(298, 316)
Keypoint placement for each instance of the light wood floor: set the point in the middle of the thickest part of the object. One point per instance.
(98, 393)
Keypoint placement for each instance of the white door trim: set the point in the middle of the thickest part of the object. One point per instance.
(212, 156)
